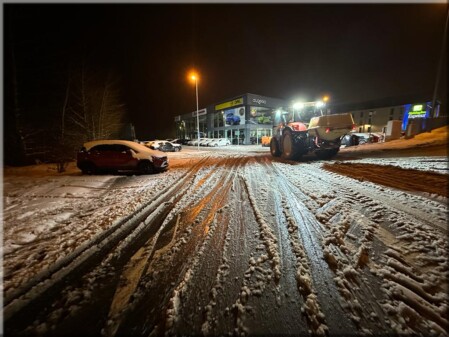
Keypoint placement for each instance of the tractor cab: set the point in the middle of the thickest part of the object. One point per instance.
(304, 112)
(290, 119)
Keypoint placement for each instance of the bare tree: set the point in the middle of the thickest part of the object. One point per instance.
(110, 116)
(96, 110)
(92, 109)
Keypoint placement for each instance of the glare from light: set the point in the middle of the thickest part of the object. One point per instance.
(319, 104)
(298, 105)
(325, 98)
(193, 76)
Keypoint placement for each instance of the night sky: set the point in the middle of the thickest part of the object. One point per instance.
(351, 52)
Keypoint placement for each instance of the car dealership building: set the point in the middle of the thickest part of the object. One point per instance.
(243, 119)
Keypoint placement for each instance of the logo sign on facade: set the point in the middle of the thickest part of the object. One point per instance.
(200, 112)
(177, 118)
(259, 101)
(417, 112)
(237, 101)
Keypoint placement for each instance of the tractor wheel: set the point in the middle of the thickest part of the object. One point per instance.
(274, 148)
(289, 150)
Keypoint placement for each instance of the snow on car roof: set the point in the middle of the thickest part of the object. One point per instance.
(133, 145)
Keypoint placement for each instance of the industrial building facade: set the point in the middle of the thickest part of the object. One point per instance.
(376, 119)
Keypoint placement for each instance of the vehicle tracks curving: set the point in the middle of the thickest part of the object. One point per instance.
(27, 301)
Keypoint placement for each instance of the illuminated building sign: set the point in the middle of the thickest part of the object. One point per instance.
(237, 101)
(417, 111)
(200, 112)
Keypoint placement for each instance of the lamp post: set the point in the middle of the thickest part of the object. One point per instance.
(194, 77)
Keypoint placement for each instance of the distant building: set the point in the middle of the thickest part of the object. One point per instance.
(244, 119)
(373, 116)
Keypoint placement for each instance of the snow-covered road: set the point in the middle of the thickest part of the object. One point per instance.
(230, 242)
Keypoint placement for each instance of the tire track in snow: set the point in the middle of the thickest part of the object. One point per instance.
(344, 259)
(321, 280)
(45, 286)
(434, 215)
(118, 258)
(284, 314)
(405, 311)
(199, 218)
(194, 314)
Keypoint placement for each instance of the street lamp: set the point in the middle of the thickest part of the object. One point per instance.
(194, 77)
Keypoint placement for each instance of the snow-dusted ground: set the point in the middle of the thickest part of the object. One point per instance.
(232, 241)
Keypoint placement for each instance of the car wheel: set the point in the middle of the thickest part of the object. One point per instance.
(145, 167)
(176, 149)
(88, 168)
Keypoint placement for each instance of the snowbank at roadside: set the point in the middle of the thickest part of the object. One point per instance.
(436, 137)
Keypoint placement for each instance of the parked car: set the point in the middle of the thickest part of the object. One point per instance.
(153, 144)
(195, 141)
(206, 141)
(170, 147)
(183, 141)
(177, 141)
(219, 142)
(119, 155)
(358, 138)
(163, 145)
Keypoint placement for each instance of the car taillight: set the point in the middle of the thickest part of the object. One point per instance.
(328, 130)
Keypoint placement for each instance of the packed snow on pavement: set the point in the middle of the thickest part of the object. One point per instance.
(236, 242)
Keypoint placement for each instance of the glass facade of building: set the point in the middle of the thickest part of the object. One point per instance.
(244, 119)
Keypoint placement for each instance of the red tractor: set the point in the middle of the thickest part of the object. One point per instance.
(293, 137)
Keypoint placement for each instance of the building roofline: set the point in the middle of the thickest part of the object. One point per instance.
(381, 102)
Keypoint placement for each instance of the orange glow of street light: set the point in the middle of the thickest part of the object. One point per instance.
(193, 76)
(325, 98)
